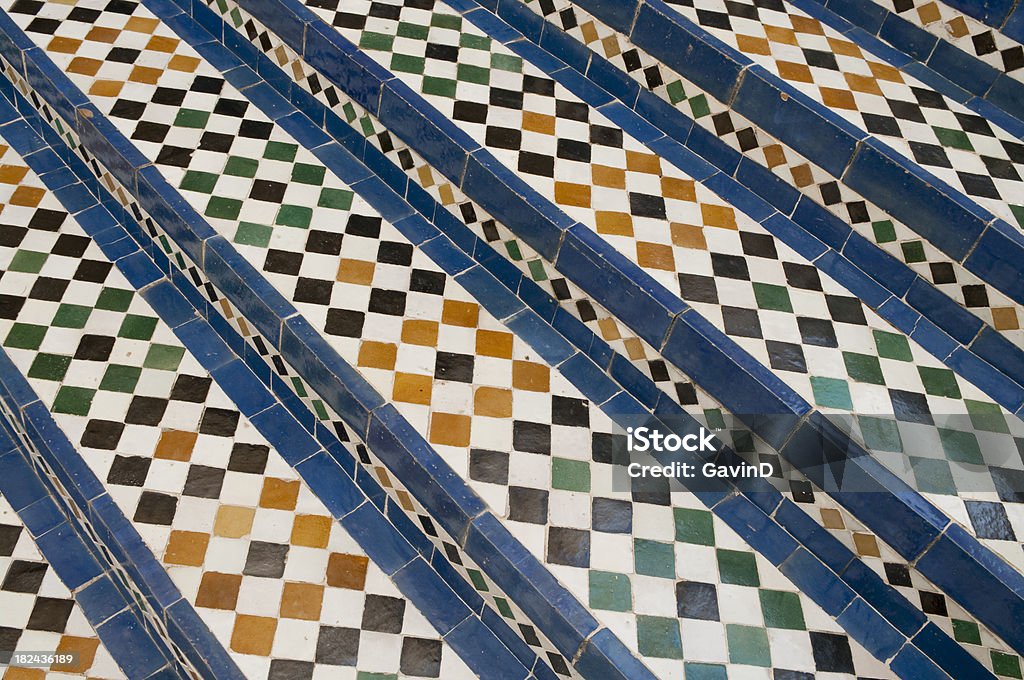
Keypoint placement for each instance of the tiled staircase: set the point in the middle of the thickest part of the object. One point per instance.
(320, 323)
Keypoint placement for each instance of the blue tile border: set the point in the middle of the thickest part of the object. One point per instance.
(557, 355)
(784, 400)
(319, 461)
(118, 611)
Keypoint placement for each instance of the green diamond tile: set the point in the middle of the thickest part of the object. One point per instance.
(831, 393)
(338, 199)
(370, 40)
(442, 87)
(137, 327)
(913, 251)
(748, 645)
(705, 671)
(956, 139)
(163, 357)
(71, 316)
(738, 568)
(195, 180)
(223, 208)
(304, 173)
(114, 299)
(73, 400)
(280, 151)
(468, 73)
(880, 434)
(610, 591)
(1006, 665)
(49, 366)
(413, 31)
(863, 368)
(450, 21)
(966, 631)
(653, 558)
(933, 476)
(986, 416)
(570, 475)
(960, 446)
(507, 62)
(25, 336)
(119, 378)
(694, 526)
(28, 261)
(250, 234)
(892, 346)
(241, 167)
(192, 118)
(294, 216)
(407, 64)
(782, 609)
(940, 382)
(884, 230)
(658, 637)
(772, 297)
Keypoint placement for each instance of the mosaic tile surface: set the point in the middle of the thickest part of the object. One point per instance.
(286, 590)
(40, 614)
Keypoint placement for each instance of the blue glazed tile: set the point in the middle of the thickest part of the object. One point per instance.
(204, 344)
(261, 304)
(378, 538)
(173, 213)
(938, 82)
(415, 228)
(335, 57)
(241, 77)
(767, 185)
(899, 314)
(155, 581)
(688, 49)
(953, 659)
(285, 434)
(490, 292)
(911, 663)
(618, 284)
(909, 38)
(511, 278)
(706, 145)
(21, 130)
(484, 184)
(421, 201)
(335, 489)
(994, 348)
(634, 381)
(100, 600)
(478, 647)
(813, 537)
(13, 41)
(631, 123)
(68, 555)
(604, 656)
(738, 195)
(42, 516)
(590, 380)
(190, 633)
(170, 305)
(817, 582)
(878, 175)
(127, 641)
(466, 592)
(579, 336)
(58, 179)
(389, 203)
(853, 279)
(45, 160)
(568, 49)
(515, 644)
(884, 598)
(52, 85)
(450, 501)
(53, 444)
(287, 19)
(757, 529)
(997, 259)
(813, 131)
(863, 13)
(669, 120)
(995, 384)
(74, 197)
(243, 387)
(1006, 94)
(794, 236)
(870, 629)
(446, 254)
(933, 339)
(969, 72)
(551, 346)
(613, 81)
(1014, 25)
(226, 333)
(880, 265)
(18, 482)
(619, 14)
(544, 600)
(438, 141)
(246, 52)
(268, 100)
(410, 530)
(825, 226)
(368, 484)
(991, 12)
(432, 596)
(306, 132)
(524, 20)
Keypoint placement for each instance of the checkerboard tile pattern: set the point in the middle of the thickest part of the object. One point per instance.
(970, 35)
(870, 221)
(39, 614)
(283, 587)
(945, 138)
(568, 415)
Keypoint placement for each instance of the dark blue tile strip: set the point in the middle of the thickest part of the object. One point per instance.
(419, 232)
(701, 340)
(28, 434)
(323, 463)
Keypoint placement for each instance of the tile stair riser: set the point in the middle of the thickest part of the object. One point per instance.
(952, 67)
(807, 229)
(921, 201)
(279, 429)
(209, 20)
(71, 533)
(910, 551)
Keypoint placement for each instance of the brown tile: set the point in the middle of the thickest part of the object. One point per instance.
(373, 354)
(614, 223)
(929, 13)
(610, 45)
(589, 32)
(832, 518)
(106, 88)
(456, 313)
(15, 673)
(803, 176)
(233, 521)
(175, 445)
(12, 174)
(27, 196)
(450, 429)
(806, 25)
(347, 571)
(145, 75)
(838, 99)
(383, 477)
(720, 216)
(187, 548)
(774, 155)
(609, 329)
(493, 402)
(527, 375)
(655, 255)
(885, 72)
(538, 122)
(865, 84)
(494, 344)
(569, 193)
(219, 591)
(1005, 319)
(748, 44)
(279, 494)
(253, 635)
(102, 34)
(866, 545)
(679, 189)
(789, 70)
(957, 27)
(605, 176)
(845, 48)
(180, 62)
(359, 272)
(302, 601)
(635, 349)
(84, 648)
(84, 66)
(64, 45)
(777, 34)
(141, 25)
(643, 162)
(412, 388)
(311, 531)
(160, 43)
(420, 332)
(405, 500)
